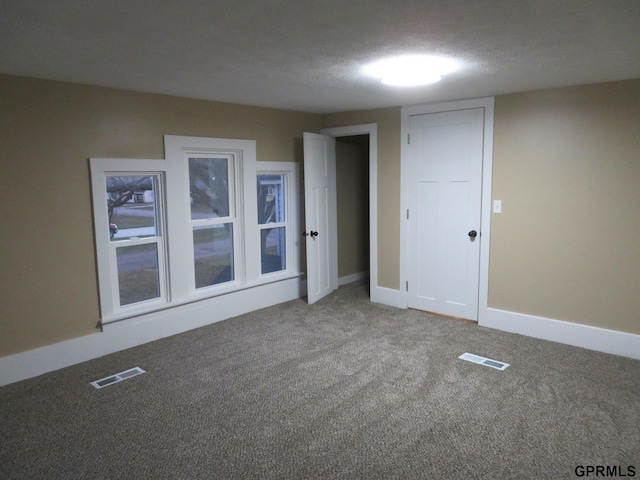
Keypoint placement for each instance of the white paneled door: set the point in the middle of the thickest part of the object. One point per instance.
(321, 231)
(445, 162)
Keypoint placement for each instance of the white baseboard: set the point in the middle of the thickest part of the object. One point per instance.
(352, 278)
(387, 296)
(146, 328)
(585, 336)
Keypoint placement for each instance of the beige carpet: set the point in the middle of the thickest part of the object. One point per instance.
(343, 389)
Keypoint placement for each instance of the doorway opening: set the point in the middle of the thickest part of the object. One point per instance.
(341, 188)
(353, 213)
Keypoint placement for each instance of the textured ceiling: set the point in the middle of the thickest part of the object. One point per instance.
(307, 55)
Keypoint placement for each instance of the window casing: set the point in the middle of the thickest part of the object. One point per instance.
(200, 234)
(214, 218)
(130, 229)
(137, 246)
(272, 195)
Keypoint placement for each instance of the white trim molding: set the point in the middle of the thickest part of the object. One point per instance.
(352, 278)
(370, 129)
(145, 328)
(568, 333)
(388, 296)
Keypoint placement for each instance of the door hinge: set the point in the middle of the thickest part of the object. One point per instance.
(407, 286)
(407, 214)
(408, 138)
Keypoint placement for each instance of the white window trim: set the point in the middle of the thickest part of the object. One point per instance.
(177, 225)
(180, 237)
(235, 217)
(101, 168)
(291, 223)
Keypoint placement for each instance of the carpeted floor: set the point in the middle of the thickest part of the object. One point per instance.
(341, 389)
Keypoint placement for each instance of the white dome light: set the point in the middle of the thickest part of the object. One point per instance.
(410, 70)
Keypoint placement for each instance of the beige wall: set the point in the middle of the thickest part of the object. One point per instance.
(566, 166)
(388, 120)
(352, 191)
(567, 169)
(48, 130)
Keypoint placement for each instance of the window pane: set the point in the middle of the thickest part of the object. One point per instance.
(131, 205)
(209, 185)
(213, 254)
(271, 199)
(138, 273)
(273, 249)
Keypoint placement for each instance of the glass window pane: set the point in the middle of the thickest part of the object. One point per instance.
(138, 273)
(273, 249)
(213, 254)
(271, 199)
(209, 187)
(131, 206)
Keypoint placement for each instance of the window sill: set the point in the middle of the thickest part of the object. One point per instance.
(196, 297)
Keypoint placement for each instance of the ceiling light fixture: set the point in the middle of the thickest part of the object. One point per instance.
(410, 70)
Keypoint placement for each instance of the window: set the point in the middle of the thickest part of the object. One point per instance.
(130, 230)
(272, 221)
(136, 240)
(213, 219)
(206, 221)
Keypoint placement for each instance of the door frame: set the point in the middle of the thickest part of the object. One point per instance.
(485, 214)
(370, 129)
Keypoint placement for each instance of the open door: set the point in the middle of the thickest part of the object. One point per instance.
(321, 230)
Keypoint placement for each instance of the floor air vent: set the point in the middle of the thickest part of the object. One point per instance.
(470, 357)
(118, 377)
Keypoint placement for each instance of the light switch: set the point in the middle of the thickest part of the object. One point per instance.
(497, 206)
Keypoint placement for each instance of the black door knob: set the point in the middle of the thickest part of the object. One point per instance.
(314, 234)
(473, 234)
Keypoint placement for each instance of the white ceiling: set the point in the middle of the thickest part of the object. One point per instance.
(307, 55)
